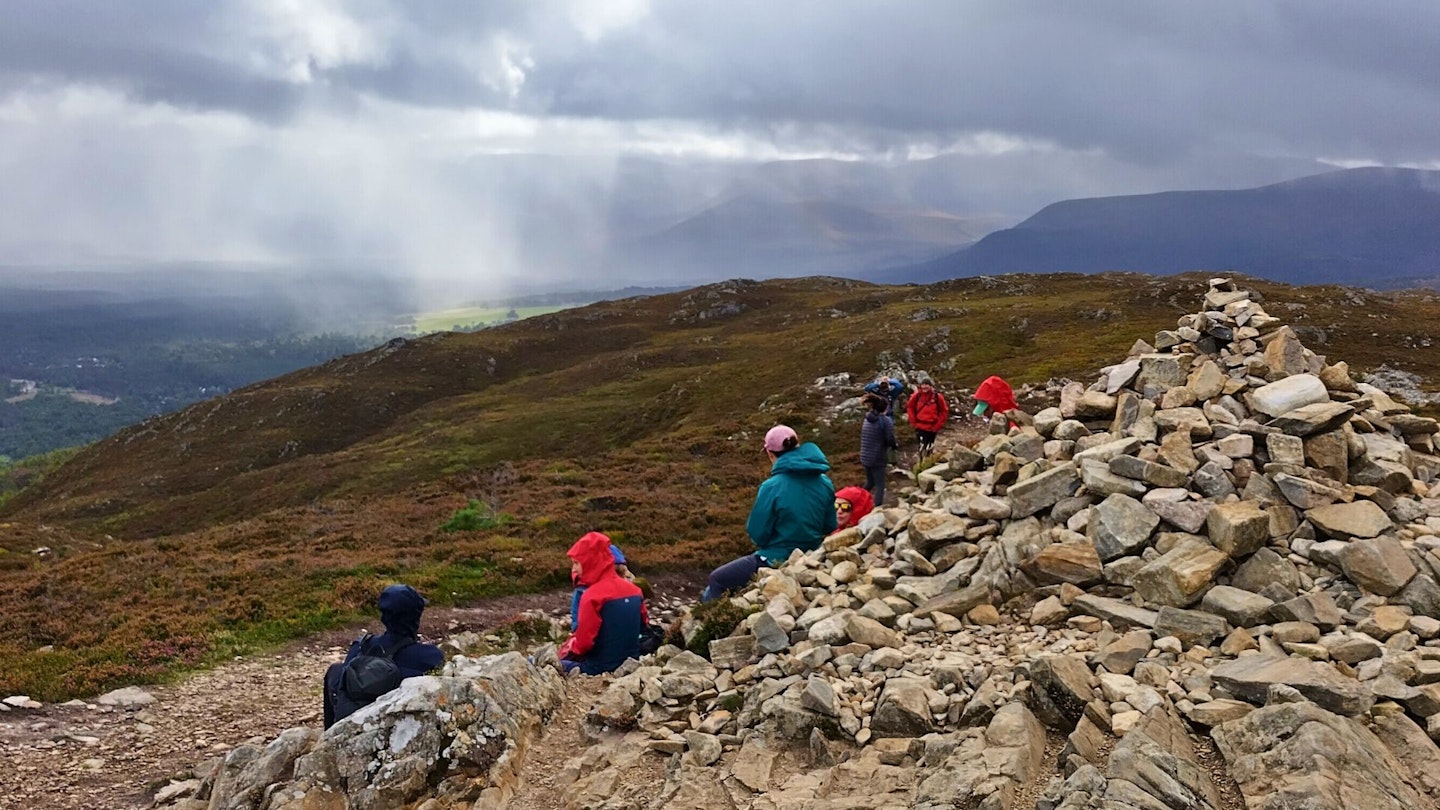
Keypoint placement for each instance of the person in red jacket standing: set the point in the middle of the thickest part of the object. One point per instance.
(927, 411)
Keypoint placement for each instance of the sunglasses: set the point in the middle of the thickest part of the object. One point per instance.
(844, 506)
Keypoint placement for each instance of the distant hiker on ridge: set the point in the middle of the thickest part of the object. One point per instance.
(877, 439)
(377, 664)
(889, 388)
(851, 504)
(794, 509)
(927, 412)
(612, 611)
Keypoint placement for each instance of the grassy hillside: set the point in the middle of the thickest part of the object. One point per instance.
(283, 507)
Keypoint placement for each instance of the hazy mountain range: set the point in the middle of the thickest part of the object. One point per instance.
(922, 221)
(1374, 227)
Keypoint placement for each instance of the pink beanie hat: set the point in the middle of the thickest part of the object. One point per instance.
(775, 438)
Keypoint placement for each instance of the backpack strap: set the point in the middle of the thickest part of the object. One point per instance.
(404, 642)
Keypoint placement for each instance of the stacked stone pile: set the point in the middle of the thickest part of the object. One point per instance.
(1223, 521)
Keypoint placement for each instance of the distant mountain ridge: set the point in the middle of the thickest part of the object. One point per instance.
(1371, 226)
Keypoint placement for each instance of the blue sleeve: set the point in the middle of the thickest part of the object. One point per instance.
(890, 433)
(761, 523)
(873, 388)
(433, 656)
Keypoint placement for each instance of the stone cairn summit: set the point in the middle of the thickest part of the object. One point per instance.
(1208, 580)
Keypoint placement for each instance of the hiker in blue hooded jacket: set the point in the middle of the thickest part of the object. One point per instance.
(400, 610)
(891, 389)
(794, 509)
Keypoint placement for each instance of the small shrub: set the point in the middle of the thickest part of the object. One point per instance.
(475, 516)
(529, 627)
(717, 619)
(925, 463)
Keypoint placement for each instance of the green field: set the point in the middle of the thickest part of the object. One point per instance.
(445, 320)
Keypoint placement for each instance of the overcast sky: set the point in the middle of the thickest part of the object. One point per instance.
(296, 130)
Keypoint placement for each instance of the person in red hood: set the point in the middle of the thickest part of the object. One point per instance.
(927, 411)
(851, 504)
(612, 611)
(995, 396)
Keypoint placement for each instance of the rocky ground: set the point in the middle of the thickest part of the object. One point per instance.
(1208, 580)
(116, 751)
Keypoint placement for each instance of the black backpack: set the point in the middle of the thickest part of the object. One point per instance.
(368, 674)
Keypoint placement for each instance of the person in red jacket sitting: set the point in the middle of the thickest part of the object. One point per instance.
(927, 411)
(612, 611)
(851, 504)
(995, 396)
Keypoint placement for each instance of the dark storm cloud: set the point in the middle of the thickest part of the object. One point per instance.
(155, 51)
(1145, 81)
(1142, 79)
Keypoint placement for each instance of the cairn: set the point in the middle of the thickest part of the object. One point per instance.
(1222, 522)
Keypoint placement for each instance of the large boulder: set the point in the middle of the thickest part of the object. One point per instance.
(1119, 525)
(1298, 755)
(903, 710)
(1379, 565)
(1181, 575)
(463, 733)
(1060, 686)
(1239, 528)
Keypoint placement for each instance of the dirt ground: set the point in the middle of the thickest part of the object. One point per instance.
(81, 755)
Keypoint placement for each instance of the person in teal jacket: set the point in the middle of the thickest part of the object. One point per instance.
(794, 509)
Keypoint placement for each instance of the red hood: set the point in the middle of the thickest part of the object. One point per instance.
(593, 553)
(860, 501)
(996, 393)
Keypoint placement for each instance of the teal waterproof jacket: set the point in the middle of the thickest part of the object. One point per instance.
(795, 507)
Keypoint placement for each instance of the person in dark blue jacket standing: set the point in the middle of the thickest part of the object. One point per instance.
(794, 509)
(400, 610)
(877, 439)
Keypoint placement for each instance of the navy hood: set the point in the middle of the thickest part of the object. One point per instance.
(400, 609)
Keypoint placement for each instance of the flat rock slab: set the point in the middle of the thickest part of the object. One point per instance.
(1345, 521)
(1119, 613)
(1252, 676)
(1042, 491)
(1311, 419)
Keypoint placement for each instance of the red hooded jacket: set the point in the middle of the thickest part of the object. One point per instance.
(996, 393)
(927, 409)
(861, 503)
(602, 584)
